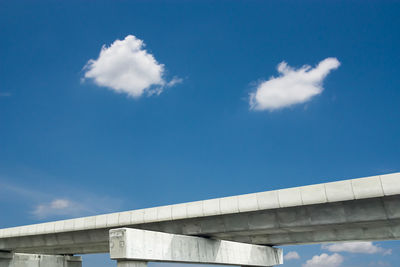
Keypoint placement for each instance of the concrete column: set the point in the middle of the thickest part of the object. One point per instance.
(9, 259)
(127, 263)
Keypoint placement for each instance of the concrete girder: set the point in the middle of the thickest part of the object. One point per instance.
(380, 186)
(367, 219)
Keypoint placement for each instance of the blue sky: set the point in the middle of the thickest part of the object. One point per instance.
(77, 139)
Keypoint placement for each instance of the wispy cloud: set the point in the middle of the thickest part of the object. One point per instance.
(357, 247)
(291, 255)
(22, 192)
(126, 67)
(48, 205)
(379, 264)
(64, 207)
(293, 86)
(324, 260)
(57, 206)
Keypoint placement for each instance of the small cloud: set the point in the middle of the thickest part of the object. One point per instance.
(126, 67)
(47, 205)
(291, 255)
(324, 260)
(56, 207)
(293, 86)
(357, 247)
(68, 208)
(60, 204)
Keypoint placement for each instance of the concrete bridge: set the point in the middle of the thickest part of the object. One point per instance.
(238, 230)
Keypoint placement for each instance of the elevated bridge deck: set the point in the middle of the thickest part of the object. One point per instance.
(350, 210)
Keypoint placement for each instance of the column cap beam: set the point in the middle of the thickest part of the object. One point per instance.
(143, 245)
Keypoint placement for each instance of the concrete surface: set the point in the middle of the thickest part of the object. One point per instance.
(35, 260)
(131, 264)
(350, 210)
(143, 245)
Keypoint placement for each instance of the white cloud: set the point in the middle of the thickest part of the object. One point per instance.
(293, 86)
(56, 207)
(291, 255)
(60, 204)
(74, 207)
(357, 247)
(324, 260)
(126, 67)
(47, 205)
(63, 207)
(174, 81)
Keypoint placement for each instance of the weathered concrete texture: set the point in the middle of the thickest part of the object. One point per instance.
(143, 245)
(122, 263)
(36, 260)
(358, 209)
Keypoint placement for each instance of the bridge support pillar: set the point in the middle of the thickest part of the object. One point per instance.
(9, 259)
(134, 248)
